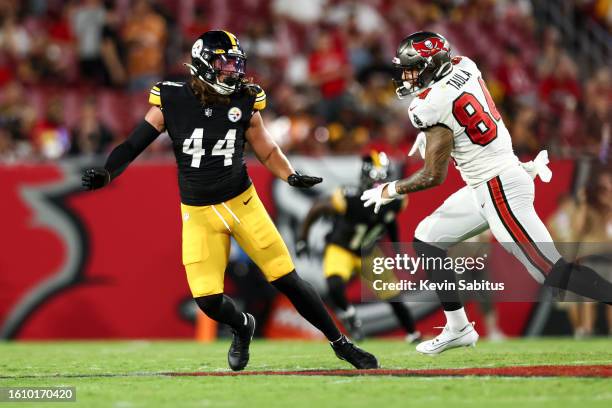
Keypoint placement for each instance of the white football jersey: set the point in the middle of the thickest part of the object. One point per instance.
(461, 102)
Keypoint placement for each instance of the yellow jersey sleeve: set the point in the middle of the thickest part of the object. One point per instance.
(260, 99)
(155, 96)
(338, 201)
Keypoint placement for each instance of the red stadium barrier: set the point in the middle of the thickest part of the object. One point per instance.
(107, 264)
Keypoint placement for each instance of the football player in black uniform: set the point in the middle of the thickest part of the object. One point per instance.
(209, 120)
(355, 233)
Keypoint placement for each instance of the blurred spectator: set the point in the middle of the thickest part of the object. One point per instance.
(301, 11)
(560, 94)
(391, 139)
(87, 24)
(359, 15)
(523, 130)
(145, 36)
(376, 94)
(550, 52)
(50, 137)
(515, 83)
(592, 223)
(111, 50)
(14, 38)
(560, 89)
(7, 148)
(598, 114)
(330, 71)
(16, 115)
(90, 135)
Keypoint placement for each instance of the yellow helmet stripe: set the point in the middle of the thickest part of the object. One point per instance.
(232, 38)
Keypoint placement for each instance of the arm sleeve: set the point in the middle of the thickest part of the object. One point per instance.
(122, 155)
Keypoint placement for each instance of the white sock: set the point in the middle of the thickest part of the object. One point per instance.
(457, 319)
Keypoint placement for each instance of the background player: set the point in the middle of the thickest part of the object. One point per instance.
(453, 107)
(355, 233)
(209, 120)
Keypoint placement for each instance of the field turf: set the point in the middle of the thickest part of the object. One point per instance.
(137, 374)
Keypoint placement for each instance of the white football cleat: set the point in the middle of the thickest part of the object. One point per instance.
(449, 339)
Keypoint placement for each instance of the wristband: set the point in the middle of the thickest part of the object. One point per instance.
(391, 191)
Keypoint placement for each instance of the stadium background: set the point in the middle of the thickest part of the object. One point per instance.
(74, 79)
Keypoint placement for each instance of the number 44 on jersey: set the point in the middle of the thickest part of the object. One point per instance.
(223, 147)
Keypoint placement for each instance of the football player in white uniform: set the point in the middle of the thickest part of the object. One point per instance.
(457, 115)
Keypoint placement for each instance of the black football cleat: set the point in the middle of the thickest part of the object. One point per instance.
(347, 351)
(238, 354)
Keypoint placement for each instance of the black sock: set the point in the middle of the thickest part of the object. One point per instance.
(581, 280)
(308, 303)
(404, 316)
(336, 291)
(449, 299)
(221, 308)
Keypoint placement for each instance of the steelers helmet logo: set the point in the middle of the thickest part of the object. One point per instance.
(428, 44)
(197, 48)
(234, 114)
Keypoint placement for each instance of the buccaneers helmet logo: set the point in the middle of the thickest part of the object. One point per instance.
(429, 47)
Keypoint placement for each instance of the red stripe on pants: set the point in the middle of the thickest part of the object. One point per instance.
(515, 230)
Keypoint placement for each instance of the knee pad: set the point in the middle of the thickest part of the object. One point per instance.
(210, 304)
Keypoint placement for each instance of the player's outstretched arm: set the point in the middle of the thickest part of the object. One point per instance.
(122, 155)
(439, 141)
(323, 206)
(271, 156)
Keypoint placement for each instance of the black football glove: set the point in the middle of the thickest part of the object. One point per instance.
(301, 248)
(302, 181)
(95, 178)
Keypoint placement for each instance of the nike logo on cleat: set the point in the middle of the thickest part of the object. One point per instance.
(247, 201)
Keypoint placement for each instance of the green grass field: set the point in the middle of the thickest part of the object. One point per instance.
(127, 374)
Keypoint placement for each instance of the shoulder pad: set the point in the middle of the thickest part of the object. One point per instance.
(260, 97)
(155, 95)
(466, 63)
(422, 114)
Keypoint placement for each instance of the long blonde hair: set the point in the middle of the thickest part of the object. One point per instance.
(208, 96)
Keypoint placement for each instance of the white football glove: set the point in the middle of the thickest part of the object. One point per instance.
(539, 167)
(374, 196)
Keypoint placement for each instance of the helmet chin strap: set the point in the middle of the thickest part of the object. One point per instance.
(220, 88)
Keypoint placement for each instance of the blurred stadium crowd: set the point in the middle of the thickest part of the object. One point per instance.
(74, 75)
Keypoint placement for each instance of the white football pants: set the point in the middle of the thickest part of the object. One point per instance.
(505, 205)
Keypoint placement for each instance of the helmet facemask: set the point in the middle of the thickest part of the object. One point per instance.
(229, 72)
(410, 79)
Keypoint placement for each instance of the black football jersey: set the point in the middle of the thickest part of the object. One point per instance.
(208, 141)
(359, 228)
